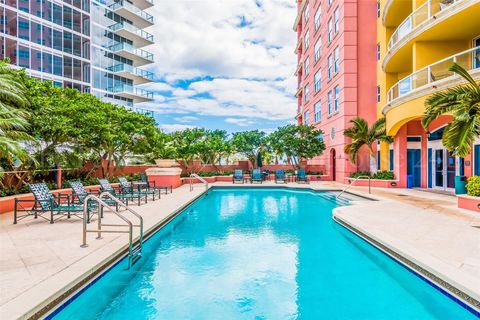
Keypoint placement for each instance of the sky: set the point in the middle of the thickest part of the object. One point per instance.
(223, 64)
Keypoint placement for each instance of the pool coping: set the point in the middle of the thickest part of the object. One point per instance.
(429, 276)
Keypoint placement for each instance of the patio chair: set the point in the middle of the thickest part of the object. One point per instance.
(105, 186)
(45, 202)
(128, 187)
(302, 176)
(152, 184)
(280, 176)
(79, 193)
(257, 176)
(238, 176)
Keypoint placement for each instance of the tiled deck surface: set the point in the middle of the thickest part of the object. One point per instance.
(39, 259)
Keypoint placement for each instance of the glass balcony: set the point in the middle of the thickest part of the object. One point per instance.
(469, 59)
(139, 36)
(138, 17)
(139, 56)
(138, 75)
(128, 91)
(143, 4)
(422, 14)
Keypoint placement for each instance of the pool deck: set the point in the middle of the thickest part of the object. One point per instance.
(40, 261)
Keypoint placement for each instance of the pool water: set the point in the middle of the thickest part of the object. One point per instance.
(260, 254)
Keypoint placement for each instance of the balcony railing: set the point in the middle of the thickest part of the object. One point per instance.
(469, 59)
(422, 14)
(130, 7)
(133, 70)
(123, 46)
(125, 88)
(131, 28)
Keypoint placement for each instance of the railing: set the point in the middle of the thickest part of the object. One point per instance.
(123, 88)
(129, 27)
(133, 253)
(130, 48)
(420, 15)
(128, 68)
(194, 175)
(132, 8)
(351, 184)
(469, 59)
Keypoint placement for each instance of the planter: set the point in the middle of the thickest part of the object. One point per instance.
(166, 163)
(469, 202)
(166, 176)
(374, 183)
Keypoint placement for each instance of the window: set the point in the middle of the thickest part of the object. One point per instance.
(378, 51)
(329, 102)
(330, 30)
(318, 49)
(318, 18)
(378, 9)
(306, 117)
(307, 39)
(306, 12)
(336, 60)
(317, 111)
(337, 98)
(329, 2)
(318, 81)
(336, 20)
(307, 66)
(378, 94)
(307, 93)
(330, 67)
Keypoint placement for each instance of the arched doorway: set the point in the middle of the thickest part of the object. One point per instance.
(333, 168)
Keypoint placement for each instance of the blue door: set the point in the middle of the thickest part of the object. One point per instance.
(414, 166)
(476, 157)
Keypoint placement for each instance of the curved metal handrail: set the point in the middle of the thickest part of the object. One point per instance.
(351, 184)
(194, 175)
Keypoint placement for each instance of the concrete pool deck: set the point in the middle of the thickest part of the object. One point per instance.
(40, 261)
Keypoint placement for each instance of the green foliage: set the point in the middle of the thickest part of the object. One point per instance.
(463, 102)
(473, 186)
(380, 175)
(249, 143)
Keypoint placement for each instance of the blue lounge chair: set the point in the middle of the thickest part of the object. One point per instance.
(238, 176)
(125, 197)
(257, 176)
(280, 176)
(128, 188)
(302, 176)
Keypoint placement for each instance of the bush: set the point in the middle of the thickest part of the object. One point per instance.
(473, 186)
(380, 175)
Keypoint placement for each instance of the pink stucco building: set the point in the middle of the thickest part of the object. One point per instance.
(336, 72)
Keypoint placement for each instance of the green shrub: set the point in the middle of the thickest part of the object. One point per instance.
(473, 186)
(380, 175)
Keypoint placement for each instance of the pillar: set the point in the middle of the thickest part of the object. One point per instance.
(384, 156)
(424, 161)
(400, 156)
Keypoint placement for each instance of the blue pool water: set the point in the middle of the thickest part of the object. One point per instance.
(260, 254)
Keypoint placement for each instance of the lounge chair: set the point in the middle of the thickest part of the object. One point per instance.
(280, 176)
(301, 176)
(128, 188)
(152, 185)
(238, 176)
(125, 197)
(79, 193)
(257, 176)
(45, 202)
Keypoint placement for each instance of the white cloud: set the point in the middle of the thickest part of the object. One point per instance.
(175, 127)
(241, 122)
(186, 119)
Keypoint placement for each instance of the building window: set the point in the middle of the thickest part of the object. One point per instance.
(336, 60)
(307, 93)
(318, 18)
(329, 102)
(330, 30)
(329, 2)
(330, 67)
(307, 39)
(318, 49)
(307, 66)
(318, 81)
(336, 20)
(318, 111)
(378, 9)
(306, 117)
(378, 51)
(306, 13)
(378, 94)
(337, 98)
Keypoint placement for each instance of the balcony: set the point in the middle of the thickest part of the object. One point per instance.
(138, 76)
(433, 78)
(138, 56)
(139, 37)
(130, 92)
(139, 18)
(143, 4)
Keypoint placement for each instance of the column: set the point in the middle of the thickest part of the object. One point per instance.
(400, 156)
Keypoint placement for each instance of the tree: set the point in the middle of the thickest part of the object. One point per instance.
(214, 147)
(249, 143)
(362, 135)
(463, 102)
(188, 144)
(297, 142)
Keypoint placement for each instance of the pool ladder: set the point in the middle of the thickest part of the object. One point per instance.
(196, 176)
(351, 184)
(134, 252)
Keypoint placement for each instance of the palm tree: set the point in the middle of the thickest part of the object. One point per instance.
(463, 102)
(362, 135)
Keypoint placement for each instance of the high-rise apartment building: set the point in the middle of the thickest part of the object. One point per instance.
(91, 45)
(417, 42)
(336, 53)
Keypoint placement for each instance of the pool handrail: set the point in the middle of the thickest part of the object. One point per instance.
(351, 184)
(196, 176)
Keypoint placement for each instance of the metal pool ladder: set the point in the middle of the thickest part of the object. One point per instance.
(194, 175)
(134, 253)
(351, 184)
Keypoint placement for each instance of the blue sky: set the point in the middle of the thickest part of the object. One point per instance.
(223, 64)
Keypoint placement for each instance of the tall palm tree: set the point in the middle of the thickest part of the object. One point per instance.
(463, 102)
(362, 135)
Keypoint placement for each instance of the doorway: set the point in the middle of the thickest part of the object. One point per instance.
(444, 169)
(414, 166)
(333, 166)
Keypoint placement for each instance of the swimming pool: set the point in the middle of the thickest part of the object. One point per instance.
(260, 253)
